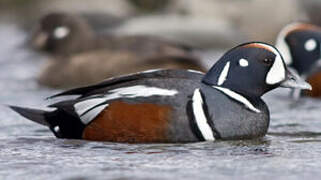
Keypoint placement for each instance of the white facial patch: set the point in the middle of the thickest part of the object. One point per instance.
(88, 109)
(61, 32)
(310, 45)
(276, 73)
(282, 45)
(200, 118)
(223, 74)
(56, 129)
(238, 98)
(243, 62)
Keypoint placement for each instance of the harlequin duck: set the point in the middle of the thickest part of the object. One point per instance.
(170, 106)
(82, 56)
(300, 47)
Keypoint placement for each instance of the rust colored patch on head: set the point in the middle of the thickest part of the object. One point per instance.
(257, 45)
(315, 81)
(132, 123)
(303, 27)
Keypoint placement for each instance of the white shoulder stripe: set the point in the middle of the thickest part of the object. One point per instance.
(238, 98)
(140, 91)
(86, 105)
(223, 74)
(88, 117)
(200, 117)
(87, 109)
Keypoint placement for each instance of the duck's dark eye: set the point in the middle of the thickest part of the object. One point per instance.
(268, 61)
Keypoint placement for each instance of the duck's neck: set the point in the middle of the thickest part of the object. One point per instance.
(249, 102)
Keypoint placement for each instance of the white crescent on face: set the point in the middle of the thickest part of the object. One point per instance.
(277, 72)
(281, 44)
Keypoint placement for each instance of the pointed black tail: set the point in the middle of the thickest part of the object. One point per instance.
(34, 115)
(62, 123)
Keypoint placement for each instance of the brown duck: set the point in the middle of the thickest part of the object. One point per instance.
(81, 56)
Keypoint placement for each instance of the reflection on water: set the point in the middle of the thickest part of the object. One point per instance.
(28, 151)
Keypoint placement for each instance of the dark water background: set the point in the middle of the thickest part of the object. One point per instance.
(291, 150)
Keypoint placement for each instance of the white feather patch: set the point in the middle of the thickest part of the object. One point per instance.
(243, 62)
(151, 70)
(56, 129)
(238, 98)
(61, 32)
(139, 91)
(200, 117)
(195, 71)
(84, 106)
(223, 74)
(310, 45)
(86, 111)
(277, 72)
(282, 45)
(89, 116)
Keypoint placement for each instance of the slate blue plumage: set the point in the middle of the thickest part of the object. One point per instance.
(223, 104)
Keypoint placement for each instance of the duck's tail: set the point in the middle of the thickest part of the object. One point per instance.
(60, 122)
(34, 115)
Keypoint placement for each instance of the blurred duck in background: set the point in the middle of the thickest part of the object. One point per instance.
(300, 44)
(80, 56)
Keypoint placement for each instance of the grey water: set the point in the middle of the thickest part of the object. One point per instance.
(290, 150)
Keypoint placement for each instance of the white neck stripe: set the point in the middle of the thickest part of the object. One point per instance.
(200, 118)
(223, 74)
(238, 98)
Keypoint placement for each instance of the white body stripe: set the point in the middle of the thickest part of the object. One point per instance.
(140, 91)
(238, 98)
(223, 74)
(277, 72)
(195, 71)
(151, 70)
(87, 114)
(90, 115)
(86, 105)
(200, 117)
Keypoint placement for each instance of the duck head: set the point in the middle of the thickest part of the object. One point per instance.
(62, 34)
(252, 69)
